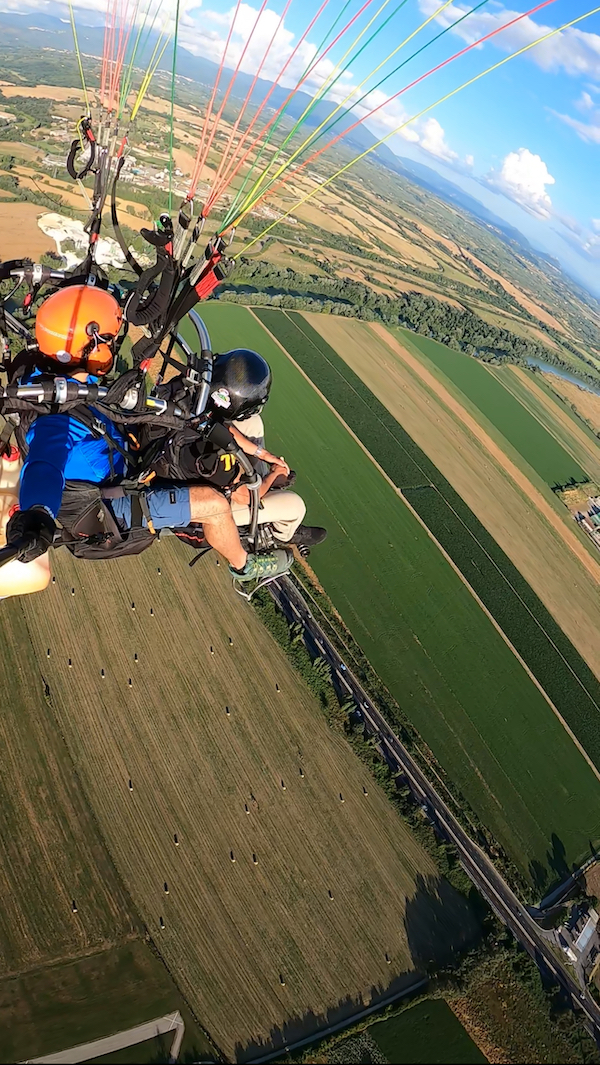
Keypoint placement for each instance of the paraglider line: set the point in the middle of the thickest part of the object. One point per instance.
(425, 110)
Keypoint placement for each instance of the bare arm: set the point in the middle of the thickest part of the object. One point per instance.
(253, 450)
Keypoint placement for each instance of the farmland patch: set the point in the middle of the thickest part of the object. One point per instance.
(533, 442)
(272, 900)
(417, 623)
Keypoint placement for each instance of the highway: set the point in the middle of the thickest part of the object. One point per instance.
(475, 862)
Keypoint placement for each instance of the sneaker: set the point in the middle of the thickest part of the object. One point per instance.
(285, 482)
(308, 536)
(264, 567)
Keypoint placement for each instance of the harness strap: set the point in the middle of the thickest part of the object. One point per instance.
(5, 437)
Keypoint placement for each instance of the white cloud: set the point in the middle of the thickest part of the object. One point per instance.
(573, 51)
(523, 178)
(596, 225)
(586, 131)
(469, 161)
(585, 102)
(433, 140)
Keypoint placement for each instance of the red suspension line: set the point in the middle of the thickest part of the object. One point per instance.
(307, 73)
(217, 189)
(291, 174)
(196, 172)
(226, 95)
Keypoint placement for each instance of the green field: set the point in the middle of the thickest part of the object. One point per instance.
(57, 1007)
(533, 442)
(553, 660)
(573, 434)
(440, 656)
(427, 1033)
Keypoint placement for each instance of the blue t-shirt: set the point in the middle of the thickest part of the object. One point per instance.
(62, 449)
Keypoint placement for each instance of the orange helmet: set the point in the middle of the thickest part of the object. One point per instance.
(77, 326)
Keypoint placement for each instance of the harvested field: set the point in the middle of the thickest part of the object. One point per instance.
(51, 851)
(546, 503)
(586, 403)
(20, 220)
(42, 92)
(424, 633)
(21, 150)
(442, 429)
(232, 927)
(530, 439)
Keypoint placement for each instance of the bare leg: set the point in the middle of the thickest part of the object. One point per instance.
(213, 510)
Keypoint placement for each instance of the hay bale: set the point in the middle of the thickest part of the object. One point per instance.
(166, 888)
(73, 906)
(175, 839)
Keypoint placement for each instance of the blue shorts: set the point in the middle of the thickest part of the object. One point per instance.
(169, 508)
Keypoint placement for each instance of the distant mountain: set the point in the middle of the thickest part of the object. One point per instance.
(33, 30)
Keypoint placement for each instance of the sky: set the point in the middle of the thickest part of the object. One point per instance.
(524, 139)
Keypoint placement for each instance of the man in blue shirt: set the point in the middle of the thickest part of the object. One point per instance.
(76, 327)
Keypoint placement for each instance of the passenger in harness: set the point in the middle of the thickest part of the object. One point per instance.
(241, 383)
(76, 329)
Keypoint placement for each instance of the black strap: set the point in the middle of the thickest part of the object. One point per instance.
(135, 266)
(86, 131)
(99, 430)
(5, 437)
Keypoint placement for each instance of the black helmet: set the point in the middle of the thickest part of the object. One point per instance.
(241, 382)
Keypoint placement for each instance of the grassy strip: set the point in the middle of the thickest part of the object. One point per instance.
(533, 442)
(553, 660)
(443, 660)
(70, 1002)
(496, 983)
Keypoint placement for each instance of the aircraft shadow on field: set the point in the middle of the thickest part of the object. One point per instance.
(430, 921)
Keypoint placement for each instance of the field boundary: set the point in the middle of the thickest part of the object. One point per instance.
(445, 554)
(119, 1041)
(567, 535)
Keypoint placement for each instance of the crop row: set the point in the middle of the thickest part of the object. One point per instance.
(549, 654)
(518, 425)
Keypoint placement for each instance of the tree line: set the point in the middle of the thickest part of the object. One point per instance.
(458, 327)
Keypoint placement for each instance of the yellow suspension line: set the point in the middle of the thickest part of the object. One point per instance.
(78, 54)
(443, 99)
(312, 137)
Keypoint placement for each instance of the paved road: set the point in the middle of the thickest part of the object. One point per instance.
(475, 862)
(171, 1022)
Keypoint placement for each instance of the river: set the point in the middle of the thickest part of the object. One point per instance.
(547, 368)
